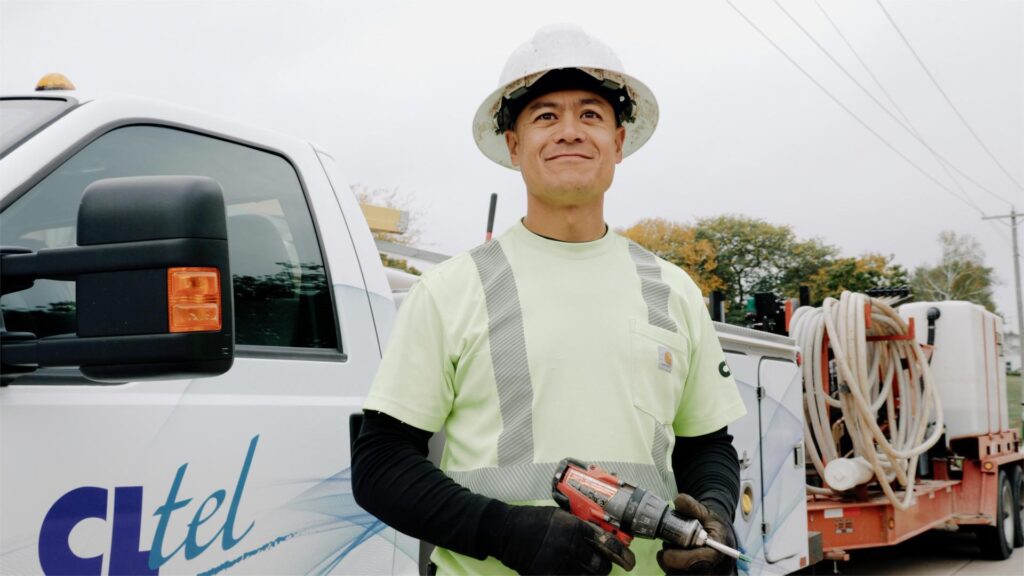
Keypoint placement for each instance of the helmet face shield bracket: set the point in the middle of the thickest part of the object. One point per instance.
(521, 93)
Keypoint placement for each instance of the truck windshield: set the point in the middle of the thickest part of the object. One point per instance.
(20, 118)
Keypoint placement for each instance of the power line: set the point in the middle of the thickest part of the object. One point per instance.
(944, 95)
(853, 79)
(939, 159)
(908, 126)
(1002, 233)
(847, 110)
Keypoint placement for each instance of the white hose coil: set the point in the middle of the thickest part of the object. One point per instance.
(870, 377)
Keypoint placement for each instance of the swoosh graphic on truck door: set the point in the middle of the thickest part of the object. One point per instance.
(336, 511)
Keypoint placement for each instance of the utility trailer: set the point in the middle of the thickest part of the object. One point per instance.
(970, 478)
(973, 476)
(978, 494)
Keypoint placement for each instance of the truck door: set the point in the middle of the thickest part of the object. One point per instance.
(747, 440)
(782, 463)
(248, 470)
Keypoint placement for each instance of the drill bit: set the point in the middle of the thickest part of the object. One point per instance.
(727, 550)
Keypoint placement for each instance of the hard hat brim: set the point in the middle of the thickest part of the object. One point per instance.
(492, 144)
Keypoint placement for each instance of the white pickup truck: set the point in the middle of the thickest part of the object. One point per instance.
(160, 470)
(144, 430)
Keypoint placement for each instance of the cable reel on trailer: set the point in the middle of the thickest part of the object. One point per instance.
(863, 363)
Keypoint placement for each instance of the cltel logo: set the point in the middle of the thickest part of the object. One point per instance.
(126, 555)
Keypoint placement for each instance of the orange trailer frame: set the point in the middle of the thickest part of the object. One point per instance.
(869, 519)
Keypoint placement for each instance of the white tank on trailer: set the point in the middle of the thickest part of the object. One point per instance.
(967, 364)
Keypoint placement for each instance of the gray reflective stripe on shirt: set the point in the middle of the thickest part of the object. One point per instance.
(655, 293)
(508, 354)
(654, 290)
(659, 451)
(526, 482)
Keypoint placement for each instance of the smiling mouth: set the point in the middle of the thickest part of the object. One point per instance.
(570, 156)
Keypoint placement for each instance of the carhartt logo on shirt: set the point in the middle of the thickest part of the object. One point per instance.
(664, 359)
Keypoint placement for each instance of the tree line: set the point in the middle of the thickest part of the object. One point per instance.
(741, 256)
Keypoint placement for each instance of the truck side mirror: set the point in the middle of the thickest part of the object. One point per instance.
(153, 284)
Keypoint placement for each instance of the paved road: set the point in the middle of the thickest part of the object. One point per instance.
(933, 553)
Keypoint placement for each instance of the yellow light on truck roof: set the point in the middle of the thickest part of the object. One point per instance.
(54, 81)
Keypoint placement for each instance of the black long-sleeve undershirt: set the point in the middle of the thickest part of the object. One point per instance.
(393, 480)
(707, 468)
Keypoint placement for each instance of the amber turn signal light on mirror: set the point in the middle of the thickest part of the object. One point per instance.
(193, 299)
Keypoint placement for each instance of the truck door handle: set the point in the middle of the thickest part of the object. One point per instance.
(744, 461)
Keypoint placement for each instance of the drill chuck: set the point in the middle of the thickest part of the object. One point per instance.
(647, 516)
(687, 533)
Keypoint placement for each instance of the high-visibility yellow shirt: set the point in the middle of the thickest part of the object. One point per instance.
(527, 350)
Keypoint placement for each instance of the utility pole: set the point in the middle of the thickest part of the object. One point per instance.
(1013, 215)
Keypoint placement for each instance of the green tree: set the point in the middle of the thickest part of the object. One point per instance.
(856, 275)
(399, 264)
(804, 259)
(960, 274)
(755, 256)
(678, 244)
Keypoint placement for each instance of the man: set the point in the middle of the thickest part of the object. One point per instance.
(557, 339)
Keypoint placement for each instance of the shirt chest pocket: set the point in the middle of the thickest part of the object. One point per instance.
(660, 361)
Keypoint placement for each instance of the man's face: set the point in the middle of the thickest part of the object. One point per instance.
(567, 145)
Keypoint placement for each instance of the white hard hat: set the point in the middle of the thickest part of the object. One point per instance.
(564, 47)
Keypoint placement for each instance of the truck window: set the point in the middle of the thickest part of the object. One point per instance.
(281, 290)
(20, 117)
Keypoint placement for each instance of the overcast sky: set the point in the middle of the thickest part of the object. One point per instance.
(390, 89)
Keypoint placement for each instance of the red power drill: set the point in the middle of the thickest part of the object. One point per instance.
(597, 496)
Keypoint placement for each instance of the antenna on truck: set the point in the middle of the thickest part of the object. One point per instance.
(490, 216)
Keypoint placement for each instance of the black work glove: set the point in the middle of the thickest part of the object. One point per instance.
(549, 540)
(701, 560)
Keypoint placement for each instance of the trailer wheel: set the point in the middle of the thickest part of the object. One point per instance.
(1017, 480)
(996, 542)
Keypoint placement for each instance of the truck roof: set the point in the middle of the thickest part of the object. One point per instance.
(154, 106)
(94, 114)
